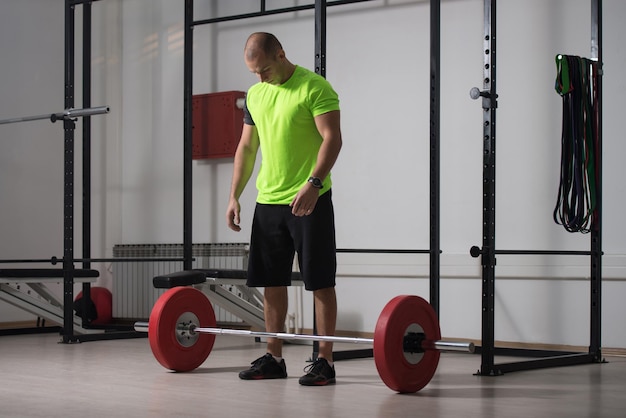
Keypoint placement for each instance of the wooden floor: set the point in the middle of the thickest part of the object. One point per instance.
(121, 378)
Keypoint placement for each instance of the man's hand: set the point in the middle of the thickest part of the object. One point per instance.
(232, 215)
(304, 202)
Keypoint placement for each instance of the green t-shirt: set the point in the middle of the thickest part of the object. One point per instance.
(289, 140)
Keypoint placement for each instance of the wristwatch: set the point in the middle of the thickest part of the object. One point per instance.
(316, 182)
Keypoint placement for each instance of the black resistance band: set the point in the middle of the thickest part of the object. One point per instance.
(576, 199)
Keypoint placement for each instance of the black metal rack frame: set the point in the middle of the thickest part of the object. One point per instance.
(68, 335)
(488, 251)
(68, 260)
(69, 271)
(320, 7)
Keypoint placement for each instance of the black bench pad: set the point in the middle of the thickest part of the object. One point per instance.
(191, 277)
(238, 274)
(180, 278)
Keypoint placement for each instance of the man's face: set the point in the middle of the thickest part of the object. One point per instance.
(267, 69)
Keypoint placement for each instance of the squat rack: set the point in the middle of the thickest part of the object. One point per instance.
(68, 272)
(488, 251)
(489, 95)
(320, 7)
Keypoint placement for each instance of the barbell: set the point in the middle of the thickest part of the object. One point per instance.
(67, 114)
(406, 344)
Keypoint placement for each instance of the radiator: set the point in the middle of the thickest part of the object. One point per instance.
(133, 292)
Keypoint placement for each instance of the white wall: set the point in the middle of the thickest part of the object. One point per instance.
(378, 60)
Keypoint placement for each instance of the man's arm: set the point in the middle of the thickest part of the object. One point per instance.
(243, 166)
(329, 127)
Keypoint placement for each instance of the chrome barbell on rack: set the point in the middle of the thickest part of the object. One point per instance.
(407, 339)
(67, 114)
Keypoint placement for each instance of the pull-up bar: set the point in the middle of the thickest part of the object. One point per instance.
(264, 11)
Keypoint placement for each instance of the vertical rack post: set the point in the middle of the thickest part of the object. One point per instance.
(86, 150)
(320, 37)
(68, 183)
(435, 169)
(320, 68)
(187, 137)
(596, 230)
(488, 258)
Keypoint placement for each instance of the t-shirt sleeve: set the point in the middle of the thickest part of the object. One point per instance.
(323, 98)
(247, 117)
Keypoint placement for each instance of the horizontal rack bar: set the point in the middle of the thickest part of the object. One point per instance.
(271, 12)
(127, 259)
(542, 252)
(47, 273)
(476, 251)
(55, 260)
(380, 251)
(75, 2)
(556, 361)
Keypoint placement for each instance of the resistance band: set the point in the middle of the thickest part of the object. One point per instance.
(576, 199)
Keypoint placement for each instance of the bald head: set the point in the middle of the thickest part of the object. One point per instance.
(262, 43)
(265, 57)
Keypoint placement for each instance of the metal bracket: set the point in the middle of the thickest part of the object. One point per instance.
(488, 103)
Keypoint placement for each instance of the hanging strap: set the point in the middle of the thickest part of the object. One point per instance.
(576, 198)
(562, 84)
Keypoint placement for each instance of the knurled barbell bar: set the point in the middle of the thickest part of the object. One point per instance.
(407, 344)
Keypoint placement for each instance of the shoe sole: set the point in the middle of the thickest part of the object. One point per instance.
(320, 383)
(262, 377)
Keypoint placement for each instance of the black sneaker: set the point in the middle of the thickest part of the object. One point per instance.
(318, 373)
(265, 367)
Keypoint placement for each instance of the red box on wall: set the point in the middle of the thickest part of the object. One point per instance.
(217, 124)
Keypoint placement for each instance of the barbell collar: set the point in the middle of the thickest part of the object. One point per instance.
(70, 114)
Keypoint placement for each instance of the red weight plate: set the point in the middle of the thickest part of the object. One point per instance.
(394, 368)
(165, 315)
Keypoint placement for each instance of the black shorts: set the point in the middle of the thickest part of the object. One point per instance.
(277, 235)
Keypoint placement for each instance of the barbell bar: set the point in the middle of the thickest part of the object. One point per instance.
(66, 114)
(192, 329)
(406, 344)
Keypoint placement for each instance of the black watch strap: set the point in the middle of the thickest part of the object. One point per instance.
(316, 182)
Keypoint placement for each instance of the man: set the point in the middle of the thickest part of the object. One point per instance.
(292, 116)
